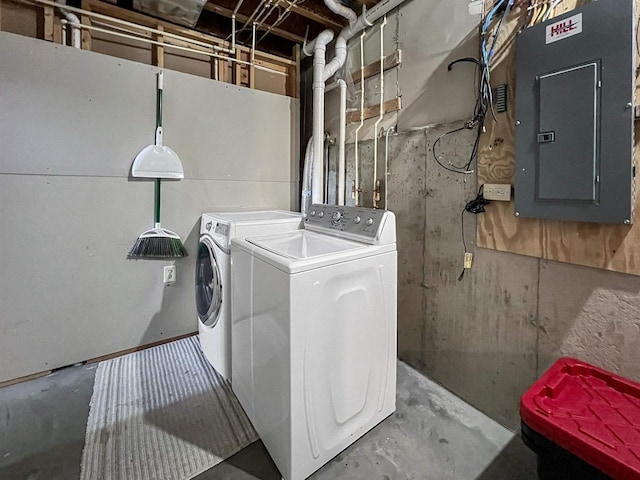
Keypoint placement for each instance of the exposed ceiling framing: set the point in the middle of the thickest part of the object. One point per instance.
(281, 24)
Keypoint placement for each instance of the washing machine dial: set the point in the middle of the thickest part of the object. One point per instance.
(369, 221)
(357, 220)
(208, 226)
(321, 214)
(313, 213)
(337, 216)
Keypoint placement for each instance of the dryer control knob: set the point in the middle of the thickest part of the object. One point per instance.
(337, 216)
(313, 213)
(357, 220)
(321, 214)
(369, 221)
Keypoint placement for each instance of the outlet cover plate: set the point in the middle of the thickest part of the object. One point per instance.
(500, 192)
(170, 275)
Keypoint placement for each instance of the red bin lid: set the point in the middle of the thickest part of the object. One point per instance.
(589, 412)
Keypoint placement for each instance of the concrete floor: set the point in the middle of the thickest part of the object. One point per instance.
(432, 435)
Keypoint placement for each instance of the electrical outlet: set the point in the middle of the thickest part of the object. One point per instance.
(170, 275)
(500, 192)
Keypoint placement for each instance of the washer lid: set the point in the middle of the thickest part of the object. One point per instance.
(304, 244)
(302, 250)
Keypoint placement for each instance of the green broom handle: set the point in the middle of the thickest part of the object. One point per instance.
(157, 203)
(158, 124)
(159, 101)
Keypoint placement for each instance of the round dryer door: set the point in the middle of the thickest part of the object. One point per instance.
(208, 284)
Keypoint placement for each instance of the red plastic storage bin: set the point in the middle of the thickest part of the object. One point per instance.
(589, 412)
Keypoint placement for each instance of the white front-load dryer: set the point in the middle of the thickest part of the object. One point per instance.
(213, 267)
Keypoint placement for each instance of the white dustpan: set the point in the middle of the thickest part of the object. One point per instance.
(157, 161)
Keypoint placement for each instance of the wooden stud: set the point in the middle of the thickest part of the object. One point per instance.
(252, 76)
(223, 71)
(237, 68)
(244, 70)
(86, 34)
(157, 51)
(45, 21)
(390, 61)
(392, 105)
(57, 32)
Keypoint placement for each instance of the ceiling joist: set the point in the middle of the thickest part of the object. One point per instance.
(227, 12)
(316, 17)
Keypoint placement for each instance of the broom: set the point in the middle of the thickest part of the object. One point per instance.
(158, 161)
(158, 242)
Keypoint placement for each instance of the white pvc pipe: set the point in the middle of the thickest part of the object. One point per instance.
(321, 75)
(280, 18)
(356, 192)
(233, 32)
(307, 176)
(342, 139)
(238, 5)
(386, 168)
(129, 24)
(339, 9)
(74, 21)
(376, 193)
(320, 49)
(265, 15)
(177, 47)
(253, 42)
(253, 15)
(76, 33)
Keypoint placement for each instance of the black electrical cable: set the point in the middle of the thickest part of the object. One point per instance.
(475, 206)
(453, 168)
(461, 276)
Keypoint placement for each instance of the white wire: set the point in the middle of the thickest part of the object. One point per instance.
(551, 7)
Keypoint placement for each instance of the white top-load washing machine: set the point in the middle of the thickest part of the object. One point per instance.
(314, 333)
(213, 266)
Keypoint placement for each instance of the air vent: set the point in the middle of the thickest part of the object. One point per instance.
(500, 98)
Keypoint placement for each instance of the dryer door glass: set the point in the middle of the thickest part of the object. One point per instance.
(208, 285)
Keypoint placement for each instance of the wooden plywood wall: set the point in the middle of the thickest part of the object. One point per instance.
(610, 247)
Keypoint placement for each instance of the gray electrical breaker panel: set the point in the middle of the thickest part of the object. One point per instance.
(574, 115)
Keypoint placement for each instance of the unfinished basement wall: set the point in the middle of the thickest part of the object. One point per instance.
(71, 123)
(490, 335)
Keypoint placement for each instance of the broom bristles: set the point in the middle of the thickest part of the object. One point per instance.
(158, 247)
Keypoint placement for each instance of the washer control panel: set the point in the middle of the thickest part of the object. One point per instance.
(352, 221)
